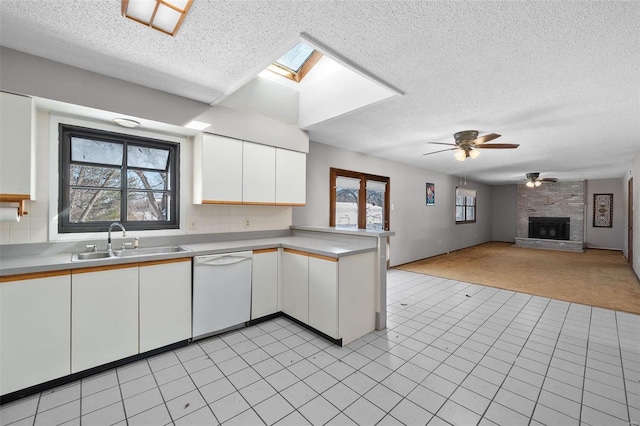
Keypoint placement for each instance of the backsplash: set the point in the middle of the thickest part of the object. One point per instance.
(195, 219)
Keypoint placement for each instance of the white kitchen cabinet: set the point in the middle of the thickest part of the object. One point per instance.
(104, 313)
(264, 283)
(356, 296)
(291, 177)
(217, 169)
(335, 296)
(165, 303)
(17, 146)
(295, 284)
(258, 174)
(35, 323)
(323, 294)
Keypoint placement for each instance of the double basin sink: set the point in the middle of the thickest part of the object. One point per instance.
(95, 255)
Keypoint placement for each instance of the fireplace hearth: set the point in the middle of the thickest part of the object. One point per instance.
(551, 228)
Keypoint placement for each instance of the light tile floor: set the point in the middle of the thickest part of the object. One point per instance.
(453, 353)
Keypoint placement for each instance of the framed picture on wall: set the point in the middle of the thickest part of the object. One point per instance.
(431, 194)
(602, 210)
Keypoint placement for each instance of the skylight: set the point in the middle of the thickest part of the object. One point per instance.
(296, 63)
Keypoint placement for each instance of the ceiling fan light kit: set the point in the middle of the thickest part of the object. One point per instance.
(534, 180)
(467, 142)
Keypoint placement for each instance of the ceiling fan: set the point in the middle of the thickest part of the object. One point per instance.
(534, 179)
(467, 142)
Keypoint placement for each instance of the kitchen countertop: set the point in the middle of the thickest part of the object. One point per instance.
(61, 261)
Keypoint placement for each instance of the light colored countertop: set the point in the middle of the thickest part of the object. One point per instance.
(60, 261)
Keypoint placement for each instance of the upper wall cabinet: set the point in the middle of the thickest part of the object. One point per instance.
(217, 170)
(231, 171)
(17, 148)
(258, 174)
(291, 178)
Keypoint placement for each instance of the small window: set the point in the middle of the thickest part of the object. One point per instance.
(465, 205)
(111, 177)
(296, 63)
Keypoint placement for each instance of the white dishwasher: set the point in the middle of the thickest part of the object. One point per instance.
(221, 292)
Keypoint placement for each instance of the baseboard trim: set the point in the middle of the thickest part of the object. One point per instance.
(86, 373)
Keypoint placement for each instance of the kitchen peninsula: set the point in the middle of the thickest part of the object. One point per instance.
(330, 280)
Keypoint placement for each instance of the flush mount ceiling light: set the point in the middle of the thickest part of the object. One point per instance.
(197, 125)
(163, 15)
(126, 122)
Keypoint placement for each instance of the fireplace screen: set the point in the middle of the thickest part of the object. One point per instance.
(551, 228)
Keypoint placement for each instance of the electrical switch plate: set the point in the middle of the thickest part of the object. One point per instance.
(193, 224)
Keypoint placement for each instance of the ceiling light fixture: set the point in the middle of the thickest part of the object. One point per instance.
(463, 154)
(126, 122)
(163, 15)
(197, 125)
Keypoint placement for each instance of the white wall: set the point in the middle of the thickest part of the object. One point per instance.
(37, 226)
(31, 75)
(421, 231)
(609, 238)
(504, 212)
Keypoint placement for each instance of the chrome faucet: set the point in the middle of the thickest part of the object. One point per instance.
(124, 234)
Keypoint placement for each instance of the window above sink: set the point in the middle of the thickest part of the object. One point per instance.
(107, 177)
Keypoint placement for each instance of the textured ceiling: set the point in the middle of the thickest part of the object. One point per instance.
(560, 78)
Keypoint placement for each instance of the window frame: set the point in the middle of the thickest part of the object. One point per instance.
(65, 134)
(334, 173)
(296, 75)
(466, 206)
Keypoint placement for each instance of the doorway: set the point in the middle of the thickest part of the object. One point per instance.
(630, 227)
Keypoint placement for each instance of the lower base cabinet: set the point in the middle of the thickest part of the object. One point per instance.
(335, 296)
(35, 323)
(295, 284)
(323, 295)
(165, 303)
(265, 293)
(104, 312)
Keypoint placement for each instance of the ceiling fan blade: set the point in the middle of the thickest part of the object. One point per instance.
(442, 150)
(486, 138)
(442, 143)
(547, 180)
(498, 145)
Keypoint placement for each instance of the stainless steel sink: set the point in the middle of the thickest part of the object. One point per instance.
(148, 251)
(91, 255)
(95, 255)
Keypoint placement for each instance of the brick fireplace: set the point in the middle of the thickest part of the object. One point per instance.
(551, 216)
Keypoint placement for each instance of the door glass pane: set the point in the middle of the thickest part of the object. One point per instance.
(347, 202)
(92, 205)
(103, 177)
(148, 205)
(92, 151)
(375, 205)
(147, 158)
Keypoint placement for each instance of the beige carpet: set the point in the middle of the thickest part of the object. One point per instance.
(601, 278)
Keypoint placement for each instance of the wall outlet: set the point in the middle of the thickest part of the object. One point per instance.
(247, 222)
(193, 224)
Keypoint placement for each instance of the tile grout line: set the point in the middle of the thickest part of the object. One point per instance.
(567, 313)
(458, 385)
(624, 382)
